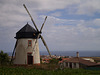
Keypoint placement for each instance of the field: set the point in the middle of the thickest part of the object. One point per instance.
(8, 70)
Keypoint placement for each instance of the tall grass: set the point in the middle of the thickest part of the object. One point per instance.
(33, 71)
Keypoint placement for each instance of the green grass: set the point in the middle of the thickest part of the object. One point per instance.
(33, 71)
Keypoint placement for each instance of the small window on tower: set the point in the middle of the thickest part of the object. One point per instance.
(29, 42)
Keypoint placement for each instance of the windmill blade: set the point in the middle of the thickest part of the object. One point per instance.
(30, 17)
(34, 47)
(45, 45)
(35, 42)
(14, 50)
(43, 24)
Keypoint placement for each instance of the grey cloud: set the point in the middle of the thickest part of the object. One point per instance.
(60, 34)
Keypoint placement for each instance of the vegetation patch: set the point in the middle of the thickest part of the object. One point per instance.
(10, 70)
(4, 58)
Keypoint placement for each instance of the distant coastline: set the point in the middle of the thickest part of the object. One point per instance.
(73, 53)
(70, 53)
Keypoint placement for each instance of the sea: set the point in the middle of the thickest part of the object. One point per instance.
(69, 53)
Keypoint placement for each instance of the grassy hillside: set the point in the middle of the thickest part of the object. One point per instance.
(33, 71)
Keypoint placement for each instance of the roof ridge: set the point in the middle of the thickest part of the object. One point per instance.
(27, 28)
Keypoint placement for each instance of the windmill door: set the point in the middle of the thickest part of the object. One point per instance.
(29, 58)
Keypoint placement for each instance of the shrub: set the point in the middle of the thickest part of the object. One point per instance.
(4, 58)
(54, 61)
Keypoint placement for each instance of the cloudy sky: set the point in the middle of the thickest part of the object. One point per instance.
(71, 24)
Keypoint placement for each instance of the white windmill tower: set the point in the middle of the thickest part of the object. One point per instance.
(27, 48)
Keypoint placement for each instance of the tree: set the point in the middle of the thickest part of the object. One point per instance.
(60, 59)
(54, 61)
(4, 58)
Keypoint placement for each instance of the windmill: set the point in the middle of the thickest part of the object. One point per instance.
(28, 53)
